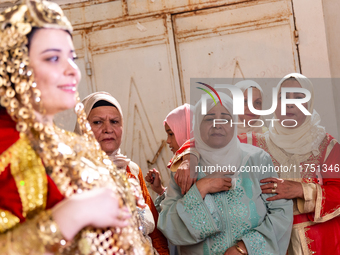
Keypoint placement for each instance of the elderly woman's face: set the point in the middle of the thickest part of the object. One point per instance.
(257, 103)
(292, 112)
(52, 56)
(220, 135)
(107, 126)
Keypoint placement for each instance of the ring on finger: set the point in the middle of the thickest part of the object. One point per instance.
(275, 185)
(273, 191)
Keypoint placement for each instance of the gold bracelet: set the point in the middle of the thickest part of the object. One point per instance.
(240, 250)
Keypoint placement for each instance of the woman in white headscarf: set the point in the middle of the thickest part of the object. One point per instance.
(105, 116)
(248, 117)
(310, 157)
(225, 212)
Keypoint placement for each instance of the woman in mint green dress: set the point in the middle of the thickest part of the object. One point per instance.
(225, 212)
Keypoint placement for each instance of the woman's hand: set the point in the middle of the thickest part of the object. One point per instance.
(233, 250)
(153, 177)
(283, 188)
(98, 208)
(185, 175)
(213, 183)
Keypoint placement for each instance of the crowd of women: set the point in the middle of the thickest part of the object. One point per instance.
(76, 193)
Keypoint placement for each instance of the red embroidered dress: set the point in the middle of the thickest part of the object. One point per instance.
(316, 228)
(25, 188)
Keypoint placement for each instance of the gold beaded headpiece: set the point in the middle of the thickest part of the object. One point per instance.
(16, 78)
(75, 163)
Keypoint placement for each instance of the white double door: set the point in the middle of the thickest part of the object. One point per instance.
(146, 64)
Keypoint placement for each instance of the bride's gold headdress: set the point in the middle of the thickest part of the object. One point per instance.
(74, 163)
(16, 78)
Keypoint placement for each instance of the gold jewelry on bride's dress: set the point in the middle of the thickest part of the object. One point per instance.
(75, 163)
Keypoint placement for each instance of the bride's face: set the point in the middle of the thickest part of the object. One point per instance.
(52, 55)
(220, 135)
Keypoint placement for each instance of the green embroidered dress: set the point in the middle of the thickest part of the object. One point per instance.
(215, 223)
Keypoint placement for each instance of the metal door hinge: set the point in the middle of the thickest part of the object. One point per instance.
(296, 37)
(88, 69)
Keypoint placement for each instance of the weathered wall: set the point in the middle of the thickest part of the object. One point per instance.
(145, 52)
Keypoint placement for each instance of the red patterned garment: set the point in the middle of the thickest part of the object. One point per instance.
(25, 188)
(316, 228)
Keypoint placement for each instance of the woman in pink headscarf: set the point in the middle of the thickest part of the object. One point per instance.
(177, 125)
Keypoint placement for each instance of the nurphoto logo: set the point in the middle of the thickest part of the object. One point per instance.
(238, 103)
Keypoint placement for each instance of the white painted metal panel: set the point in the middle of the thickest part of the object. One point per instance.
(95, 12)
(68, 1)
(154, 6)
(246, 40)
(128, 33)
